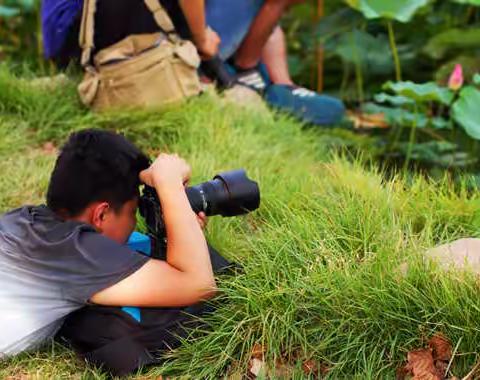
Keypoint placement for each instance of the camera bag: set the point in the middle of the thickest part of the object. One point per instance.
(140, 71)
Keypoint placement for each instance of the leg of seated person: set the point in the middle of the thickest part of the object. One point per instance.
(310, 106)
(274, 56)
(250, 51)
(250, 33)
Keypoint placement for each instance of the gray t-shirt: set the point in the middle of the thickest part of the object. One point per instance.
(49, 268)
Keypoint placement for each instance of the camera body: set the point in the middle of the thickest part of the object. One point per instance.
(230, 193)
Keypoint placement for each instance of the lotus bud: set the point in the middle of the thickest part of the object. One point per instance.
(456, 78)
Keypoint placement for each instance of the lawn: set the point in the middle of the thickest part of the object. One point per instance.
(322, 256)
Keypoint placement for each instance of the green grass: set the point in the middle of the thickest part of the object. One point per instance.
(321, 256)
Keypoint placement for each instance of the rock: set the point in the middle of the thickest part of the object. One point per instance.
(463, 254)
(244, 97)
(50, 83)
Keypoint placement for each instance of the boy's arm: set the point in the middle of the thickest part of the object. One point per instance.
(187, 276)
(205, 39)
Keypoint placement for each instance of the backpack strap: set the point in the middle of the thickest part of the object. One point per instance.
(87, 26)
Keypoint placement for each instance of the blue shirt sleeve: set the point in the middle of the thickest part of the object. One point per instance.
(98, 263)
(58, 17)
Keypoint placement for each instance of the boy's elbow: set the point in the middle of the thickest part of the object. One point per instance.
(208, 289)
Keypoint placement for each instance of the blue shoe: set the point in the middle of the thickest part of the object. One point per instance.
(256, 78)
(304, 104)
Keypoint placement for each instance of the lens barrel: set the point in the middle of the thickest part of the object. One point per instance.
(228, 194)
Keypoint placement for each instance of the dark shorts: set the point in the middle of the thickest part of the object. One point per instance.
(109, 338)
(122, 339)
(231, 19)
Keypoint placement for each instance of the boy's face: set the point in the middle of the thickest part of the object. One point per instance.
(118, 225)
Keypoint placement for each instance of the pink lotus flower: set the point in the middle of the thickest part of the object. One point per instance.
(456, 79)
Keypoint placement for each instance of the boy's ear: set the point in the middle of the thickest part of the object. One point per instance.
(99, 214)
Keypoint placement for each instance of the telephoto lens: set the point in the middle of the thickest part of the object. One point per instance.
(228, 194)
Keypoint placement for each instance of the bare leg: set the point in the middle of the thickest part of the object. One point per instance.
(250, 52)
(275, 58)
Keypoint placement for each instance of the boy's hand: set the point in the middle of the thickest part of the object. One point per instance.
(202, 220)
(208, 46)
(167, 169)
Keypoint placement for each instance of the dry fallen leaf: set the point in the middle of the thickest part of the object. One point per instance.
(421, 365)
(49, 148)
(429, 363)
(310, 368)
(282, 370)
(21, 376)
(256, 366)
(475, 371)
(441, 346)
(367, 121)
(235, 376)
(258, 351)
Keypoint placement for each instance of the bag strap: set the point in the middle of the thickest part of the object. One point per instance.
(87, 30)
(87, 26)
(160, 15)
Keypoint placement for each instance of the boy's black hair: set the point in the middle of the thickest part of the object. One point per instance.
(95, 165)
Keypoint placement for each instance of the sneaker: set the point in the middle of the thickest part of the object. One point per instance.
(306, 105)
(252, 78)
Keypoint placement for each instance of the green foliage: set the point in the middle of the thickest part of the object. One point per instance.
(476, 79)
(20, 31)
(396, 100)
(452, 40)
(472, 2)
(8, 11)
(356, 70)
(364, 49)
(446, 119)
(466, 112)
(11, 8)
(439, 153)
(421, 93)
(400, 10)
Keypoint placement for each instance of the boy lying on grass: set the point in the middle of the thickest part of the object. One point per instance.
(57, 258)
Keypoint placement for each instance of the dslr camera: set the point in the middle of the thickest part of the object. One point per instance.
(230, 193)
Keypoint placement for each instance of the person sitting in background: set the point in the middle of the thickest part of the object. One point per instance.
(69, 260)
(243, 33)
